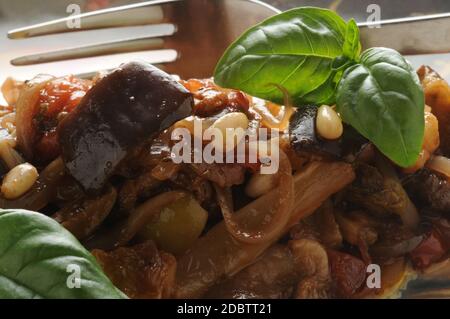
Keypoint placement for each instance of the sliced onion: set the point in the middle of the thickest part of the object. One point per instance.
(269, 226)
(11, 90)
(409, 214)
(26, 108)
(9, 155)
(440, 164)
(268, 118)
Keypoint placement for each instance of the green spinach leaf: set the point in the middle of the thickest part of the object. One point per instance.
(381, 97)
(37, 256)
(296, 50)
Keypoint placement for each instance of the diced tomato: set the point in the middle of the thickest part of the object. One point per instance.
(238, 101)
(62, 95)
(59, 96)
(211, 99)
(429, 251)
(347, 271)
(194, 85)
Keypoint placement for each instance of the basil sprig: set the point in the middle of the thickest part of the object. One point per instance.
(315, 56)
(301, 50)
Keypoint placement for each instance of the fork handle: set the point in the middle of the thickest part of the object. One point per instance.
(150, 12)
(428, 34)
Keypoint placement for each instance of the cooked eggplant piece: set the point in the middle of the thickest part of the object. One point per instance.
(304, 138)
(392, 249)
(306, 142)
(379, 190)
(140, 271)
(83, 216)
(321, 226)
(301, 268)
(356, 228)
(429, 189)
(312, 263)
(124, 109)
(330, 233)
(273, 276)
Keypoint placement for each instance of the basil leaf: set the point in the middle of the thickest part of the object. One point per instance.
(381, 97)
(35, 253)
(352, 45)
(295, 50)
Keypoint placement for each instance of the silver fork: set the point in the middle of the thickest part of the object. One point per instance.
(202, 29)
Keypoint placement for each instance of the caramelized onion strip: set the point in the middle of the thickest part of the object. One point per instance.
(256, 230)
(266, 111)
(26, 109)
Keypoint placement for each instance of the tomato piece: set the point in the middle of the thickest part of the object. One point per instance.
(429, 251)
(347, 271)
(62, 95)
(194, 85)
(57, 97)
(213, 100)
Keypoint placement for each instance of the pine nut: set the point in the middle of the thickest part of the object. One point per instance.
(328, 123)
(431, 134)
(233, 121)
(19, 180)
(431, 141)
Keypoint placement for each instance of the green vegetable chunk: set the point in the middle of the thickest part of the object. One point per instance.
(177, 226)
(381, 97)
(302, 50)
(40, 259)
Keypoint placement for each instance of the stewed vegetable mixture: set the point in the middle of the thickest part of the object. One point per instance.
(88, 174)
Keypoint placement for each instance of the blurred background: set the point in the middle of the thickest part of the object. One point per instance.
(24, 10)
(19, 13)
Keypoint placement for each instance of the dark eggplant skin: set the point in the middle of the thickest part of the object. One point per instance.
(429, 189)
(306, 142)
(121, 111)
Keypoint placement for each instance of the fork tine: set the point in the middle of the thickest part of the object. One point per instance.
(90, 75)
(137, 14)
(120, 46)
